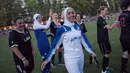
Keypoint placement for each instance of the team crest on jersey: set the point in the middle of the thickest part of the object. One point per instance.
(27, 38)
(75, 38)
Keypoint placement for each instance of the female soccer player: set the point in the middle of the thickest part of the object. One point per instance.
(23, 50)
(83, 28)
(54, 25)
(80, 22)
(42, 40)
(124, 21)
(72, 38)
(102, 36)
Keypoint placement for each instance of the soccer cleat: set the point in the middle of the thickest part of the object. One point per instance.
(61, 64)
(53, 66)
(125, 72)
(109, 68)
(96, 62)
(105, 71)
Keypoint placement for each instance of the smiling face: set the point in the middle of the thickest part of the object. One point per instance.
(39, 18)
(70, 15)
(20, 24)
(104, 12)
(78, 17)
(54, 16)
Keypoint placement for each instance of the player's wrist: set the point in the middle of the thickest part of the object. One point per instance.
(46, 60)
(116, 21)
(23, 59)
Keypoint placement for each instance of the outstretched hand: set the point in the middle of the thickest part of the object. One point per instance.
(95, 59)
(43, 65)
(93, 54)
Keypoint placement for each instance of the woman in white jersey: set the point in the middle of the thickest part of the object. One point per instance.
(72, 38)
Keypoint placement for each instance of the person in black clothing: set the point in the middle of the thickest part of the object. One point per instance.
(124, 23)
(23, 50)
(83, 28)
(54, 25)
(103, 37)
(80, 22)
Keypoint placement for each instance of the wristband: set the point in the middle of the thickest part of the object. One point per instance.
(23, 58)
(117, 21)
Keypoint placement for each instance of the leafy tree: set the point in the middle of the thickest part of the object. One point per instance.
(11, 8)
(8, 10)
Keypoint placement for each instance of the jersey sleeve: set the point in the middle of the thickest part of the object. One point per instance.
(85, 43)
(12, 40)
(101, 22)
(40, 26)
(84, 28)
(56, 43)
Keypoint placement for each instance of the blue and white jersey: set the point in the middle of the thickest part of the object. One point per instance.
(72, 39)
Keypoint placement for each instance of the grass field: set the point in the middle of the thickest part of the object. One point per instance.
(7, 64)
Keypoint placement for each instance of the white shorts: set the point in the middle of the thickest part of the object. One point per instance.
(74, 65)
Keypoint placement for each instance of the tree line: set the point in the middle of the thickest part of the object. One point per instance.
(12, 8)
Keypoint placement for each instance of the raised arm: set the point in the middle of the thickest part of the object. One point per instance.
(112, 26)
(104, 25)
(41, 26)
(38, 25)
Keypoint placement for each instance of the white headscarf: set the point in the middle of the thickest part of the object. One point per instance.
(35, 18)
(66, 21)
(36, 22)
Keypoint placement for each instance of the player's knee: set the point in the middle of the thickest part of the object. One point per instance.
(125, 54)
(108, 52)
(107, 55)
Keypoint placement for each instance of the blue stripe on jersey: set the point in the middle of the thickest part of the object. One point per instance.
(66, 28)
(56, 43)
(86, 41)
(77, 27)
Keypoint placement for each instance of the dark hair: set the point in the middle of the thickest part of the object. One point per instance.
(54, 12)
(101, 8)
(80, 15)
(124, 4)
(17, 18)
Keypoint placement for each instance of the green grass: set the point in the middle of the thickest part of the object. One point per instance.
(7, 63)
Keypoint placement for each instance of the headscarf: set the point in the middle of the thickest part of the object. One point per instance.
(66, 21)
(36, 22)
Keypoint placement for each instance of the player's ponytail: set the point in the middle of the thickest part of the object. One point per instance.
(124, 4)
